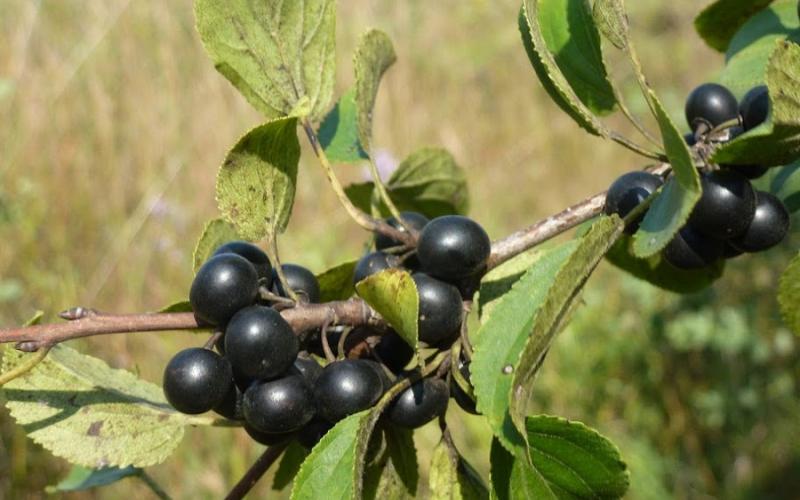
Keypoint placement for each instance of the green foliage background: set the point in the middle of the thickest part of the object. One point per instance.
(114, 123)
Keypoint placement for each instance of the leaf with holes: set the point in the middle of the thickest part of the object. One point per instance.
(393, 294)
(216, 233)
(777, 141)
(280, 55)
(674, 204)
(337, 282)
(82, 478)
(719, 22)
(82, 410)
(374, 55)
(748, 53)
(256, 184)
(338, 133)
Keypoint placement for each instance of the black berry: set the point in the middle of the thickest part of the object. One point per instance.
(373, 263)
(768, 228)
(222, 286)
(196, 380)
(748, 171)
(692, 250)
(628, 192)
(300, 279)
(440, 309)
(313, 432)
(253, 254)
(754, 107)
(231, 405)
(308, 368)
(346, 387)
(460, 395)
(259, 343)
(420, 403)
(279, 406)
(386, 382)
(453, 247)
(393, 351)
(266, 438)
(414, 219)
(726, 206)
(710, 104)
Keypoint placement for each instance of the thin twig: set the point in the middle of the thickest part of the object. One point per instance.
(24, 367)
(256, 471)
(154, 486)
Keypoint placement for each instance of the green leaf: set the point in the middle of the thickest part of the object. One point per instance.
(361, 195)
(82, 478)
(571, 39)
(786, 186)
(429, 181)
(789, 295)
(338, 133)
(452, 478)
(720, 21)
(674, 204)
(403, 458)
(612, 21)
(280, 55)
(749, 51)
(290, 464)
(660, 273)
(393, 294)
(337, 282)
(776, 142)
(374, 55)
(526, 318)
(178, 306)
(516, 479)
(216, 233)
(256, 184)
(553, 311)
(499, 280)
(333, 469)
(82, 410)
(575, 460)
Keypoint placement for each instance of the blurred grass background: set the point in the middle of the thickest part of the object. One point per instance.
(113, 125)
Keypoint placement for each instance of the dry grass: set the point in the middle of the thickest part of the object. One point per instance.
(117, 121)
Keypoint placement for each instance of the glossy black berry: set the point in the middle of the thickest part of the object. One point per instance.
(313, 432)
(196, 380)
(748, 171)
(308, 368)
(300, 279)
(440, 309)
(710, 104)
(464, 400)
(231, 405)
(628, 192)
(420, 403)
(373, 263)
(223, 285)
(453, 247)
(394, 351)
(754, 107)
(726, 206)
(253, 254)
(259, 343)
(266, 438)
(692, 250)
(279, 406)
(414, 219)
(346, 387)
(768, 228)
(386, 382)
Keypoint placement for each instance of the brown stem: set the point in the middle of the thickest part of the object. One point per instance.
(256, 471)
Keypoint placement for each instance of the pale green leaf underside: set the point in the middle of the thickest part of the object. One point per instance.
(256, 183)
(82, 410)
(552, 313)
(338, 133)
(502, 337)
(337, 282)
(279, 54)
(394, 295)
(674, 204)
(776, 142)
(789, 295)
(216, 233)
(374, 55)
(719, 22)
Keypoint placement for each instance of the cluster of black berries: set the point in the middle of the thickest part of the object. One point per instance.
(731, 217)
(265, 374)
